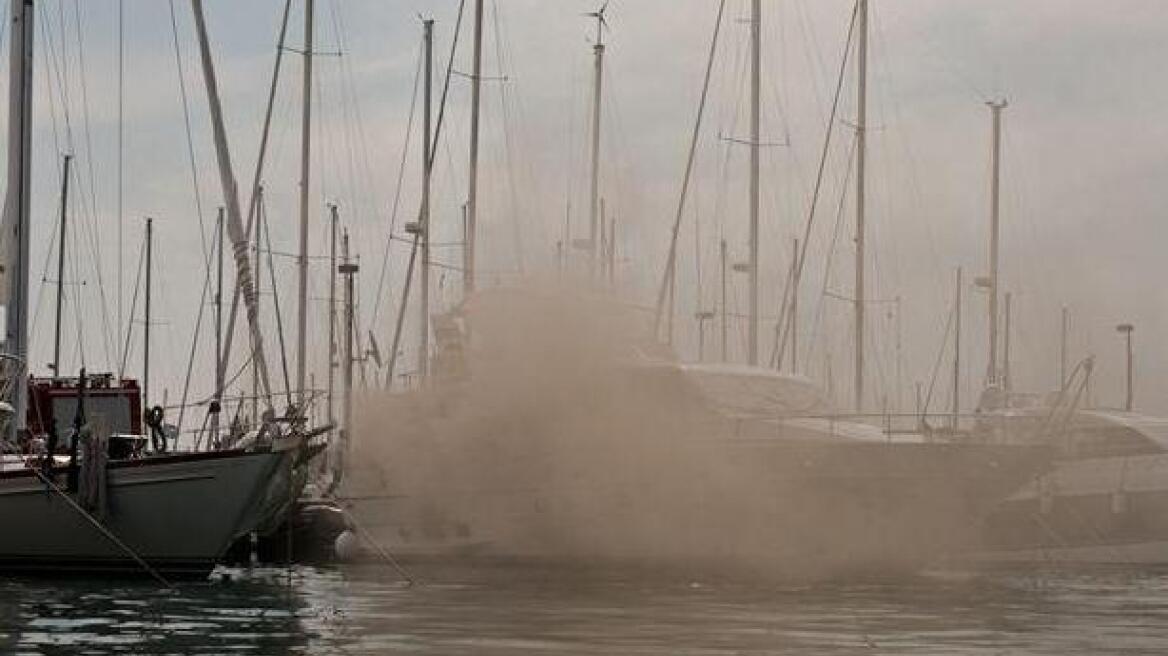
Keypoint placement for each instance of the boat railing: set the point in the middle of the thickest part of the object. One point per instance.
(236, 418)
(889, 426)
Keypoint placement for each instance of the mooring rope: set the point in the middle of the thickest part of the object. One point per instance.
(385, 555)
(97, 524)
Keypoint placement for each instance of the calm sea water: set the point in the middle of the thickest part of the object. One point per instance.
(365, 610)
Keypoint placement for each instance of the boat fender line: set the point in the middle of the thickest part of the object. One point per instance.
(51, 447)
(154, 422)
(101, 528)
(385, 555)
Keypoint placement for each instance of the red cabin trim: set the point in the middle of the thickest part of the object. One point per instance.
(42, 392)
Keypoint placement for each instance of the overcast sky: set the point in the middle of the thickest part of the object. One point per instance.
(1083, 166)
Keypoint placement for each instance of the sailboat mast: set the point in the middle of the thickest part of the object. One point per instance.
(255, 373)
(1006, 347)
(594, 193)
(861, 199)
(956, 350)
(1062, 381)
(146, 320)
(219, 373)
(424, 220)
(722, 299)
(17, 204)
(755, 119)
(230, 191)
(793, 328)
(305, 171)
(996, 108)
(472, 204)
(332, 313)
(348, 269)
(61, 263)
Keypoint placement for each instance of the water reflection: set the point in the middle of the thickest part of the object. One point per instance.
(365, 610)
(257, 614)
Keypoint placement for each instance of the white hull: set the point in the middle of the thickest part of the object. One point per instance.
(827, 509)
(1150, 553)
(1094, 511)
(179, 512)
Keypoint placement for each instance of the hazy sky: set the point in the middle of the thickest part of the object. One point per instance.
(1083, 165)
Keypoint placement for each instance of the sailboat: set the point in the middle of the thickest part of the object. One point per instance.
(111, 504)
(1104, 500)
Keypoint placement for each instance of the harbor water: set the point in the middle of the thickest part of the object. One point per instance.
(367, 610)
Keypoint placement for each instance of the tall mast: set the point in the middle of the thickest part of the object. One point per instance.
(861, 199)
(957, 349)
(612, 256)
(722, 303)
(472, 204)
(348, 269)
(230, 191)
(255, 374)
(305, 170)
(254, 202)
(996, 108)
(146, 320)
(1006, 347)
(219, 373)
(61, 263)
(1062, 381)
(17, 204)
(594, 193)
(794, 319)
(755, 100)
(424, 219)
(332, 313)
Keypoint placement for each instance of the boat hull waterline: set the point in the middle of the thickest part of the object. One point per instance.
(179, 512)
(825, 510)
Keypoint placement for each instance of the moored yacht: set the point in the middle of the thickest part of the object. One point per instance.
(95, 496)
(1104, 501)
(631, 457)
(99, 500)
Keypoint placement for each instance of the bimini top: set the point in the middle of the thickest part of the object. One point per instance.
(793, 404)
(1153, 430)
(743, 391)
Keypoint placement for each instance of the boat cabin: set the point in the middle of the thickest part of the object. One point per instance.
(114, 403)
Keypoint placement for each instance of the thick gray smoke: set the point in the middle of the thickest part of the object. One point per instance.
(562, 432)
(566, 436)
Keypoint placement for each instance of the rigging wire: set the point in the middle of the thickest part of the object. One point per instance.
(109, 337)
(182, 89)
(382, 279)
(829, 130)
(133, 306)
(194, 344)
(667, 278)
(84, 103)
(937, 365)
(356, 135)
(54, 79)
(262, 216)
(823, 294)
(348, 79)
(60, 68)
(430, 159)
(508, 143)
(253, 200)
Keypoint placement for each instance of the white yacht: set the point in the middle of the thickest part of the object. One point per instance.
(1105, 500)
(95, 497)
(646, 461)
